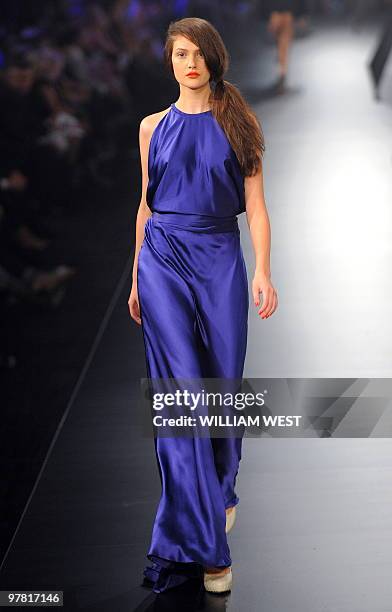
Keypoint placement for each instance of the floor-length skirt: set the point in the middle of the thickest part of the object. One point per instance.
(193, 298)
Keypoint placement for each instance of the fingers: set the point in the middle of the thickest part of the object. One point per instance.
(134, 311)
(256, 295)
(270, 302)
(269, 307)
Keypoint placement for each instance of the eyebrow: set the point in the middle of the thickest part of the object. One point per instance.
(181, 49)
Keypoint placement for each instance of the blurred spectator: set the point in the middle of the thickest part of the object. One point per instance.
(76, 77)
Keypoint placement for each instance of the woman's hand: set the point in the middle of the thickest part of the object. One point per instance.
(262, 284)
(133, 304)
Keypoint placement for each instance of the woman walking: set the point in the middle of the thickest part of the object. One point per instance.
(201, 166)
(281, 24)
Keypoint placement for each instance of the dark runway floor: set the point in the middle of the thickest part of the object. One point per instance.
(314, 523)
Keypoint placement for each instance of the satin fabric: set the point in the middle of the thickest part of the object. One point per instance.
(193, 298)
(192, 167)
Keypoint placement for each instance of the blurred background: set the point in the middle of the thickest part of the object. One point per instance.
(76, 78)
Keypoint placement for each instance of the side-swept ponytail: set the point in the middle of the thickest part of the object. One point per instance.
(233, 113)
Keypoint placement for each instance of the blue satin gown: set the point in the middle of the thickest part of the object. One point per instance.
(193, 298)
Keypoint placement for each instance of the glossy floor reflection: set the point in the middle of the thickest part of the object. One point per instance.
(190, 596)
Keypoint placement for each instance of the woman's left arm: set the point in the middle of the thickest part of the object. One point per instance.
(260, 230)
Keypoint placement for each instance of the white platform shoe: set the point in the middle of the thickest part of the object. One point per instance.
(218, 583)
(230, 518)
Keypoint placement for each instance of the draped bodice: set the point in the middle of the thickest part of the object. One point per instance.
(192, 167)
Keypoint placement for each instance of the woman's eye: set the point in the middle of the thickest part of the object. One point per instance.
(180, 54)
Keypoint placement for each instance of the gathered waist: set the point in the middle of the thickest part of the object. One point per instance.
(195, 222)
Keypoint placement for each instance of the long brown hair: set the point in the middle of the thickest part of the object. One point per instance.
(239, 122)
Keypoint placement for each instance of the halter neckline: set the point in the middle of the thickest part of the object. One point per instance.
(177, 110)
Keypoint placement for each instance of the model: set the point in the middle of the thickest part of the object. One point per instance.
(201, 166)
(281, 21)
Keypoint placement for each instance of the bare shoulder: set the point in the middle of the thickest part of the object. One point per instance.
(149, 122)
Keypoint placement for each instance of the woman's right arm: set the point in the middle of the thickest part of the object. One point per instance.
(143, 214)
